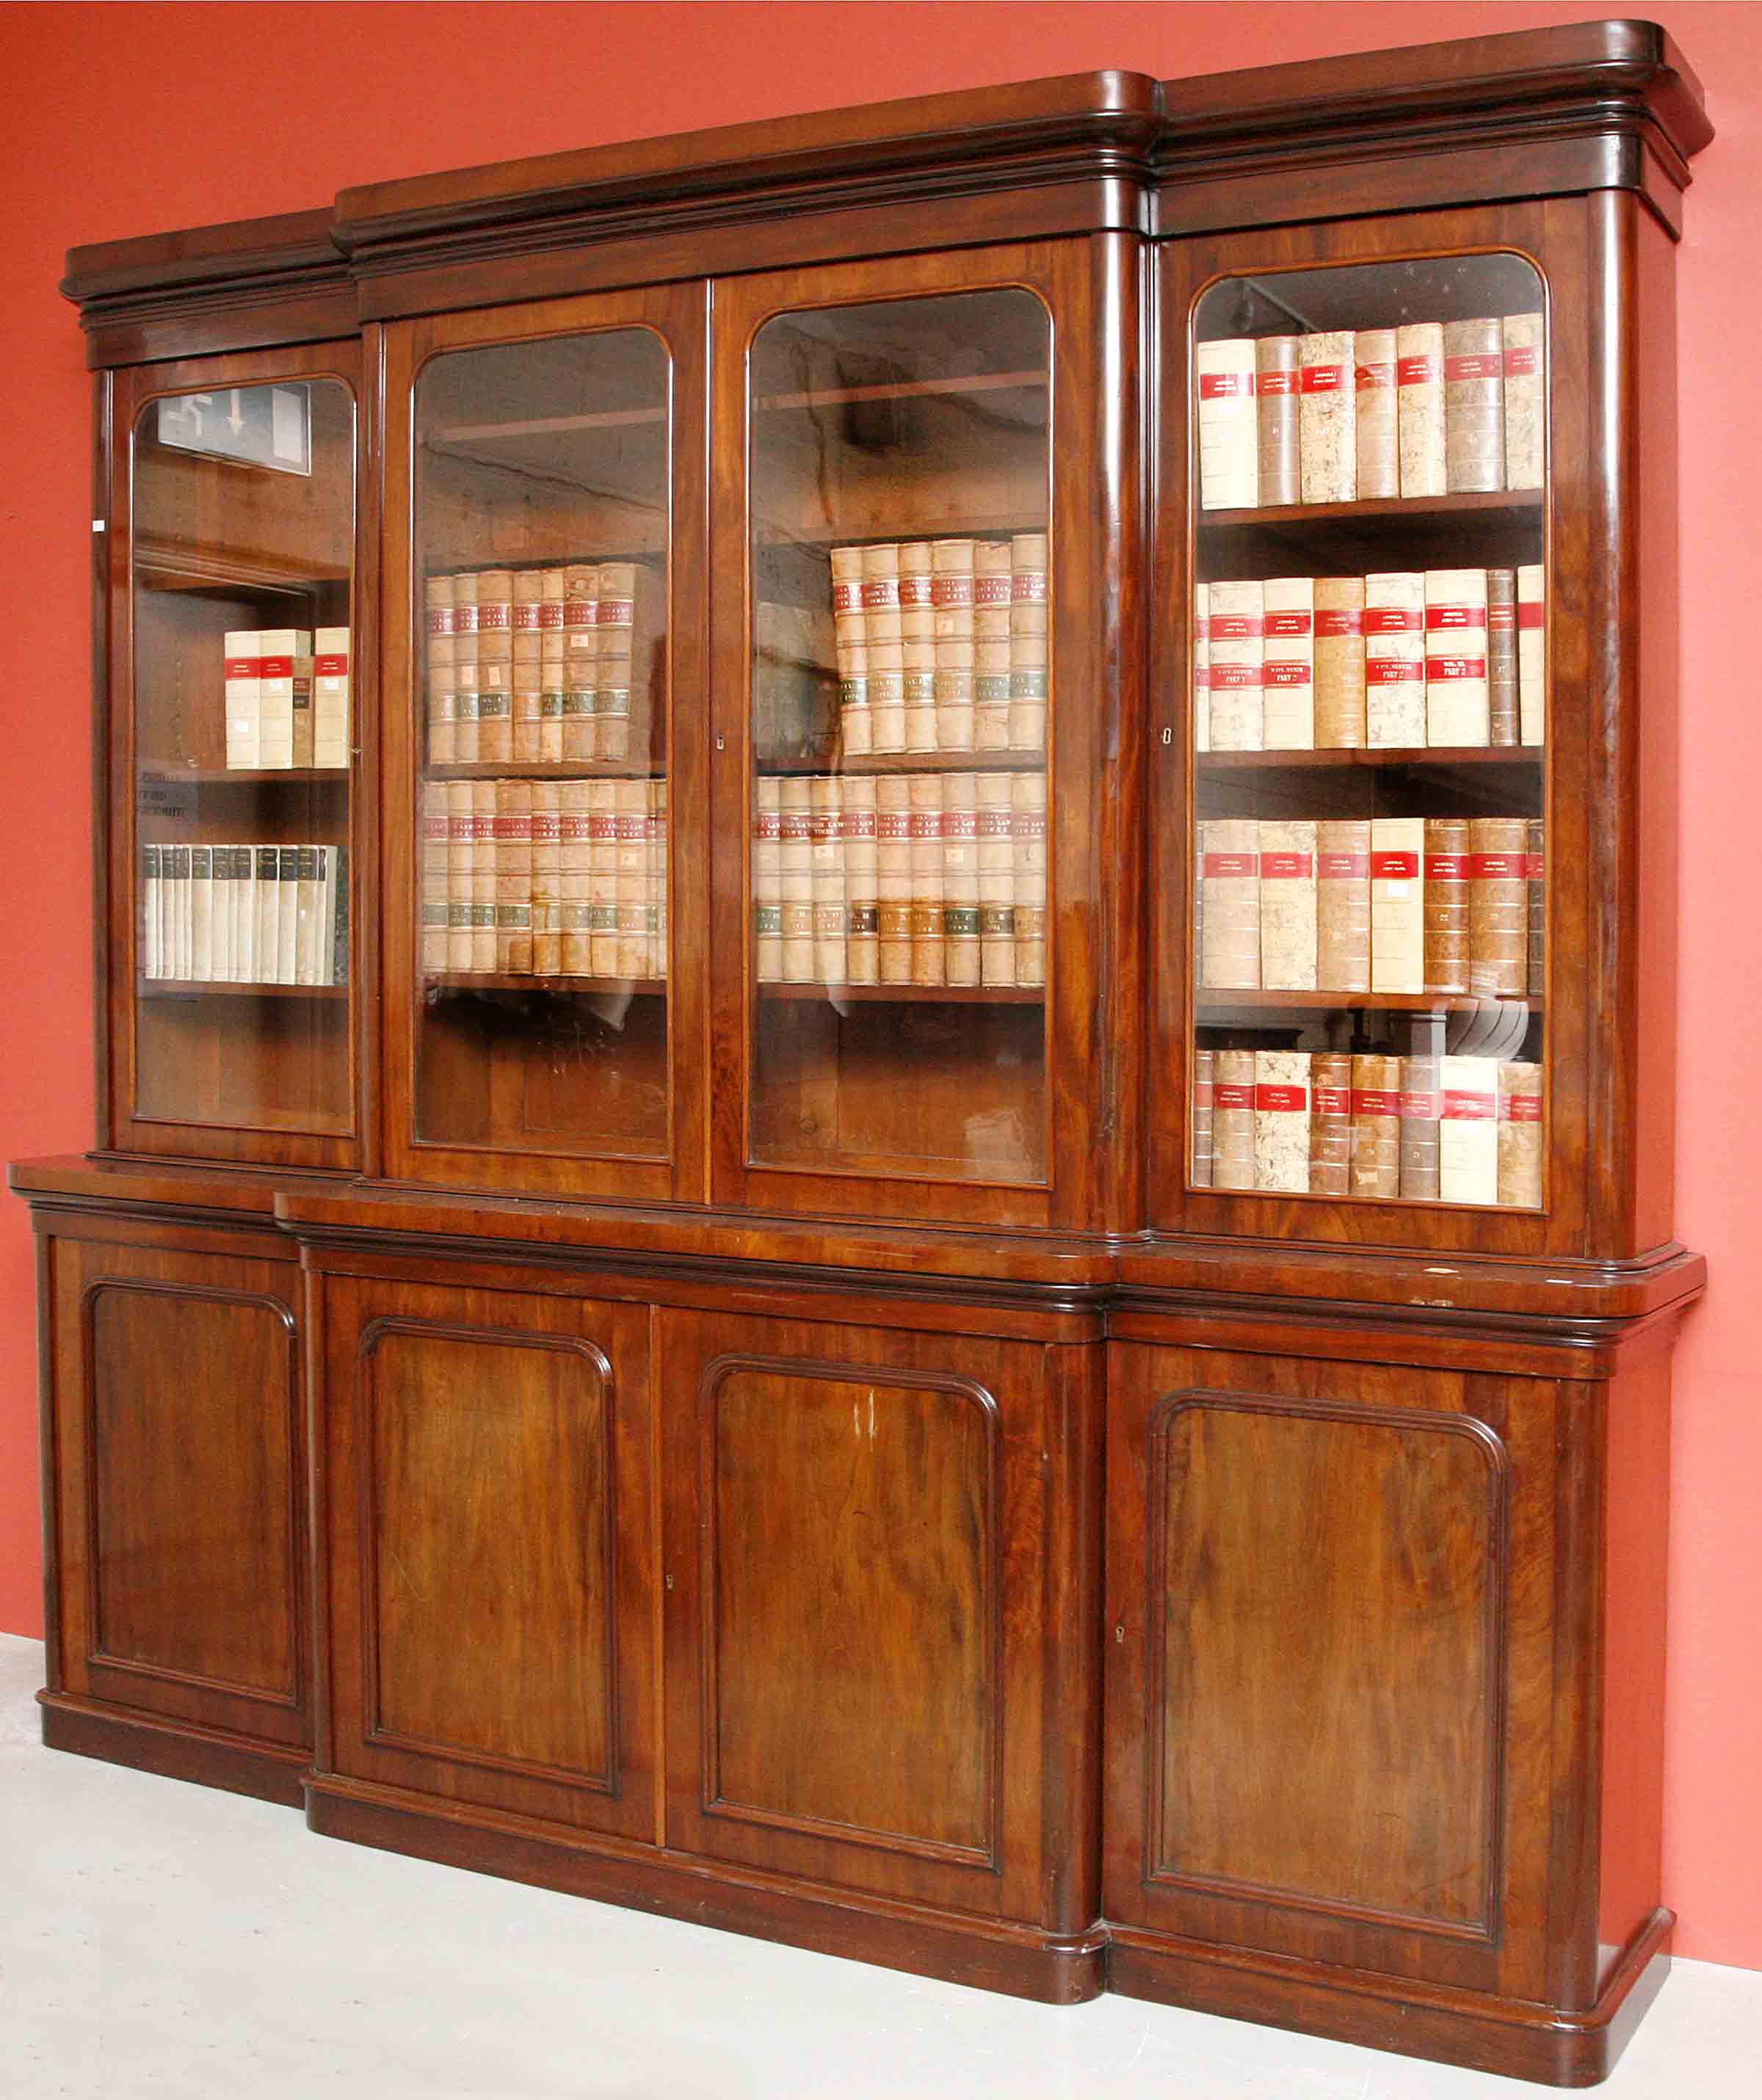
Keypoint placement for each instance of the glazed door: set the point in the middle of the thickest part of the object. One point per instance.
(924, 844)
(490, 1631)
(874, 1625)
(1332, 1631)
(546, 933)
(1378, 886)
(238, 846)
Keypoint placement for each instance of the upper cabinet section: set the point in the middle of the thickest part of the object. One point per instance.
(233, 923)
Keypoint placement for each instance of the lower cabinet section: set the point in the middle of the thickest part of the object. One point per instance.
(875, 1561)
(176, 1520)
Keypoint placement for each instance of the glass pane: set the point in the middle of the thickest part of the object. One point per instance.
(243, 541)
(541, 544)
(1370, 733)
(900, 733)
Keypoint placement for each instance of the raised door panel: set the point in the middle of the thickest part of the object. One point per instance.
(1315, 1732)
(488, 1506)
(180, 1458)
(856, 1557)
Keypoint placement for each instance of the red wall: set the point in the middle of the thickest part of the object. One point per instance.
(129, 120)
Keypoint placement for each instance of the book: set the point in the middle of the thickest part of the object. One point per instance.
(1535, 868)
(1199, 1158)
(483, 894)
(1237, 652)
(1446, 904)
(1228, 424)
(1519, 1135)
(1421, 1108)
(333, 925)
(1523, 338)
(1339, 672)
(1502, 656)
(1277, 364)
(330, 697)
(1398, 918)
(1499, 907)
(1474, 405)
(1468, 1137)
(1375, 1125)
(1282, 1120)
(266, 913)
(925, 794)
(285, 698)
(1330, 1123)
(858, 823)
(1202, 667)
(1532, 654)
(286, 970)
(1394, 666)
(1231, 870)
(201, 913)
(1027, 848)
(1233, 1133)
(1288, 668)
(1287, 888)
(1420, 408)
(460, 859)
(1457, 690)
(547, 878)
(1327, 421)
(309, 917)
(149, 909)
(431, 847)
(1377, 410)
(1343, 904)
(512, 858)
(243, 674)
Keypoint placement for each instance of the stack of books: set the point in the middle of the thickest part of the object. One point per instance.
(287, 705)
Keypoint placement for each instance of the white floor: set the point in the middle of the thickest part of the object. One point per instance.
(158, 1939)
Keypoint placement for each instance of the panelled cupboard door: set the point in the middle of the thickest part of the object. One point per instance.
(1371, 823)
(487, 1497)
(1329, 1707)
(179, 1520)
(861, 1540)
(544, 792)
(925, 809)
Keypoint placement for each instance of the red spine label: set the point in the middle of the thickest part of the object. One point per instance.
(1477, 364)
(1439, 669)
(991, 590)
(1390, 620)
(880, 593)
(1323, 378)
(1446, 867)
(1372, 376)
(952, 589)
(1342, 867)
(440, 619)
(1236, 626)
(465, 619)
(1523, 361)
(914, 591)
(550, 614)
(245, 666)
(1331, 625)
(1237, 674)
(1275, 866)
(1225, 386)
(1418, 371)
(1519, 1108)
(1394, 866)
(330, 667)
(1439, 617)
(1373, 1101)
(1469, 1108)
(1333, 1101)
(846, 595)
(616, 612)
(1530, 613)
(276, 667)
(1502, 619)
(1420, 1107)
(1220, 867)
(1233, 1097)
(1392, 671)
(1532, 867)
(492, 619)
(1268, 384)
(526, 618)
(1281, 1101)
(1285, 674)
(1286, 623)
(1497, 868)
(1028, 587)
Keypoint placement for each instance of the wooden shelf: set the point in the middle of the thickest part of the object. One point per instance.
(1208, 999)
(1516, 503)
(205, 988)
(913, 762)
(547, 768)
(773, 532)
(543, 427)
(905, 390)
(491, 981)
(1279, 762)
(248, 776)
(911, 995)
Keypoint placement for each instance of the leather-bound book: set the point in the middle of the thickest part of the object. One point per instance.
(1287, 664)
(1532, 654)
(1394, 666)
(1233, 1120)
(1281, 1121)
(1328, 427)
(1535, 883)
(1524, 342)
(1474, 405)
(1237, 654)
(1286, 852)
(1276, 401)
(1419, 407)
(1519, 1135)
(1421, 1106)
(1446, 904)
(1199, 1171)
(1502, 656)
(1379, 454)
(1331, 1124)
(1231, 870)
(1343, 904)
(1339, 722)
(1499, 907)
(1375, 1125)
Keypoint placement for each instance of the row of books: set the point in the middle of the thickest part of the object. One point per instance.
(923, 878)
(1455, 1130)
(942, 645)
(245, 914)
(1341, 416)
(544, 878)
(1444, 657)
(287, 698)
(1379, 904)
(534, 666)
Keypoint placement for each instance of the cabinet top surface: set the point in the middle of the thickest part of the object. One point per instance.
(1613, 75)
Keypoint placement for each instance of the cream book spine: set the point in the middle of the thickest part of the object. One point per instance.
(1419, 407)
(1202, 667)
(1524, 341)
(1398, 904)
(1458, 691)
(266, 913)
(1277, 404)
(1288, 669)
(1467, 1134)
(1286, 854)
(1532, 655)
(1378, 413)
(1229, 430)
(1394, 661)
(1237, 650)
(1281, 1121)
(244, 676)
(330, 698)
(287, 915)
(1328, 424)
(202, 914)
(1231, 871)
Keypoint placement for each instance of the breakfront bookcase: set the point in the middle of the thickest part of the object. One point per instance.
(733, 1319)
